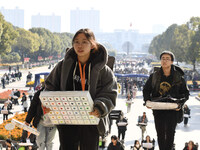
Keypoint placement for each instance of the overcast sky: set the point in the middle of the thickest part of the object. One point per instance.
(114, 14)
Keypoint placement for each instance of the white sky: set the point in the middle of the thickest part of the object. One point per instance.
(114, 14)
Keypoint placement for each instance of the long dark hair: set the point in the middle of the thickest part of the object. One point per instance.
(90, 37)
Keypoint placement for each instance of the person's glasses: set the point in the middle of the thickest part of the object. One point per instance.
(83, 43)
(165, 59)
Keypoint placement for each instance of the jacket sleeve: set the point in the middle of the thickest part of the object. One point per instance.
(147, 90)
(33, 107)
(184, 91)
(106, 95)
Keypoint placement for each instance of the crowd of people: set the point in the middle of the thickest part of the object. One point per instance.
(85, 68)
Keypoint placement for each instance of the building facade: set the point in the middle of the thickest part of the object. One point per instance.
(84, 19)
(52, 23)
(14, 16)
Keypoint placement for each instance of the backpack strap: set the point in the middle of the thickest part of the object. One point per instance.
(156, 80)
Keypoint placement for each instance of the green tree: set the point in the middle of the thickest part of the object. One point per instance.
(7, 36)
(12, 57)
(48, 44)
(193, 52)
(181, 42)
(27, 43)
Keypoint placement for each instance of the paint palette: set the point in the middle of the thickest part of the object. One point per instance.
(69, 107)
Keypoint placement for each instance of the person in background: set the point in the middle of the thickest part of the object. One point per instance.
(129, 102)
(36, 114)
(186, 112)
(134, 89)
(190, 146)
(122, 127)
(31, 93)
(29, 77)
(5, 111)
(24, 102)
(115, 144)
(84, 68)
(9, 104)
(3, 81)
(148, 140)
(17, 94)
(10, 145)
(9, 68)
(168, 80)
(11, 95)
(142, 122)
(28, 137)
(137, 146)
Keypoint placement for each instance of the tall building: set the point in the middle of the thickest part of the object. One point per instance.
(84, 19)
(14, 16)
(52, 23)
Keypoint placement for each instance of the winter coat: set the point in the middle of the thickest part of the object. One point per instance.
(178, 85)
(186, 148)
(118, 146)
(173, 85)
(24, 101)
(102, 84)
(122, 127)
(140, 118)
(153, 143)
(35, 110)
(135, 148)
(186, 111)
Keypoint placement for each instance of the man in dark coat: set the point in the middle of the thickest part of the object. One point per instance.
(167, 81)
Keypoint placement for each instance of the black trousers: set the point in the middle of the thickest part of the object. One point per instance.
(74, 136)
(121, 132)
(185, 120)
(5, 116)
(165, 123)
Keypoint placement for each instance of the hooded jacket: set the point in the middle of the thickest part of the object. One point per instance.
(102, 83)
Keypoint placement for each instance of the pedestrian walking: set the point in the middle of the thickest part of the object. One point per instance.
(186, 115)
(122, 127)
(17, 94)
(3, 82)
(142, 123)
(9, 68)
(167, 81)
(115, 144)
(148, 144)
(84, 69)
(137, 146)
(190, 146)
(24, 102)
(5, 111)
(30, 93)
